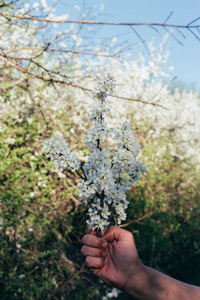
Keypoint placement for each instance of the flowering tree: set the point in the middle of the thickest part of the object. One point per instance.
(36, 78)
(46, 79)
(37, 83)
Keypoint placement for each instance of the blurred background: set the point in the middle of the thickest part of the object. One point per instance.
(47, 71)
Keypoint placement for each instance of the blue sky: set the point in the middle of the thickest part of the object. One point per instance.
(185, 59)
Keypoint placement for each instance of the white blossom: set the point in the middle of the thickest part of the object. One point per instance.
(32, 194)
(105, 178)
(137, 79)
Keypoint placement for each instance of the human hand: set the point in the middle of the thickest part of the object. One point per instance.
(113, 258)
(117, 263)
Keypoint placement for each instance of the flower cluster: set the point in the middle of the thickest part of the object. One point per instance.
(59, 152)
(105, 176)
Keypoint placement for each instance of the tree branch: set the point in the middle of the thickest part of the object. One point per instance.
(100, 23)
(51, 80)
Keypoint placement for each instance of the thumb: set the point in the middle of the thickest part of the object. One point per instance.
(113, 233)
(117, 234)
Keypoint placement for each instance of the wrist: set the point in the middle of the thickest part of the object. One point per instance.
(149, 284)
(138, 282)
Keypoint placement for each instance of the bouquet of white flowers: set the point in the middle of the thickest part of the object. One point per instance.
(105, 177)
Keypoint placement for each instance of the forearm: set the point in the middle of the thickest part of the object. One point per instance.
(149, 284)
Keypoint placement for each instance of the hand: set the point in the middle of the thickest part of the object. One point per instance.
(115, 260)
(113, 257)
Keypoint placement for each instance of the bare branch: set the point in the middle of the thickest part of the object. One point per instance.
(181, 33)
(146, 216)
(171, 13)
(194, 34)
(173, 36)
(139, 100)
(100, 23)
(190, 26)
(177, 40)
(163, 87)
(144, 43)
(194, 21)
(155, 30)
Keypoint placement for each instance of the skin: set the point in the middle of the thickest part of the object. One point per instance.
(108, 263)
(114, 259)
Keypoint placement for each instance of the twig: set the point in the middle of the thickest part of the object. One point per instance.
(163, 87)
(171, 13)
(193, 21)
(169, 32)
(138, 220)
(181, 33)
(144, 43)
(194, 33)
(139, 100)
(155, 30)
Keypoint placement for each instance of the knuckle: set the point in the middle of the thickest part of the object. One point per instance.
(112, 227)
(99, 243)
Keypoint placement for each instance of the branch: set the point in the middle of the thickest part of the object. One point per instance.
(101, 23)
(163, 87)
(51, 80)
(138, 220)
(141, 39)
(138, 100)
(146, 216)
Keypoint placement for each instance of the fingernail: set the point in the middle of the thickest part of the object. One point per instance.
(104, 245)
